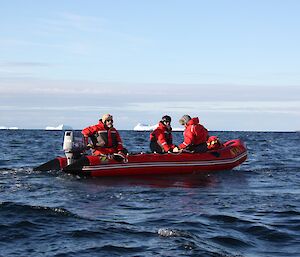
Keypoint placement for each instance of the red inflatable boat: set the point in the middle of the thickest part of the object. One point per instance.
(232, 154)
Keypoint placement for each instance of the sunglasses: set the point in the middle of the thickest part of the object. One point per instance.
(109, 120)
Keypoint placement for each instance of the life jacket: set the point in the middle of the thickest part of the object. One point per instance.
(163, 137)
(106, 138)
(103, 137)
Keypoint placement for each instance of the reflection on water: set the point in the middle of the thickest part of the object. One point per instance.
(185, 181)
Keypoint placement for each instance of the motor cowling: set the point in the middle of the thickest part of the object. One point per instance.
(68, 146)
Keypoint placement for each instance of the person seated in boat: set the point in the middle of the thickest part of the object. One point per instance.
(195, 135)
(105, 138)
(161, 140)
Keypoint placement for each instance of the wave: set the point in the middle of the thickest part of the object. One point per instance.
(265, 233)
(231, 241)
(227, 218)
(166, 232)
(103, 250)
(11, 207)
(194, 244)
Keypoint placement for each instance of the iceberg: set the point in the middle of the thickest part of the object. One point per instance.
(12, 128)
(59, 127)
(143, 127)
(178, 129)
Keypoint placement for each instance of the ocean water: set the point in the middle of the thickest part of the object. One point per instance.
(253, 210)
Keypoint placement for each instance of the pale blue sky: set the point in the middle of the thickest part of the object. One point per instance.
(235, 64)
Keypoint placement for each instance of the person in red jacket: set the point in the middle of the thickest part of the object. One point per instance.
(106, 139)
(195, 135)
(161, 140)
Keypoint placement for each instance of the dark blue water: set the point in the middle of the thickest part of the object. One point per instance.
(253, 210)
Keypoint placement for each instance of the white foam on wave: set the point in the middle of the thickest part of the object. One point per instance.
(168, 232)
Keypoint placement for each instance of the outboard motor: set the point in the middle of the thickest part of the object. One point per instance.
(68, 146)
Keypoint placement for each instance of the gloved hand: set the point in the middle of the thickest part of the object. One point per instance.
(176, 150)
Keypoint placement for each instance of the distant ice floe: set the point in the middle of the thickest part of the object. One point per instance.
(178, 129)
(59, 127)
(12, 128)
(143, 127)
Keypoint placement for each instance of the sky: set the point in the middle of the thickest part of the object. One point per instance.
(234, 64)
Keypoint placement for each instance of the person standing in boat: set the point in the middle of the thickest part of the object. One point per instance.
(161, 140)
(105, 138)
(195, 135)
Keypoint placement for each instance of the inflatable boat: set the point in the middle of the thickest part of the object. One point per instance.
(229, 156)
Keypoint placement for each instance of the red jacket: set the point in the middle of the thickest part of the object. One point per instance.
(106, 140)
(194, 134)
(163, 136)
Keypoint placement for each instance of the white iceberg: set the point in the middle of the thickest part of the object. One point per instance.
(143, 127)
(12, 128)
(59, 127)
(178, 129)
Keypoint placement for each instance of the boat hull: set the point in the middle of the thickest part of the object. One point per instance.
(158, 169)
(231, 155)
